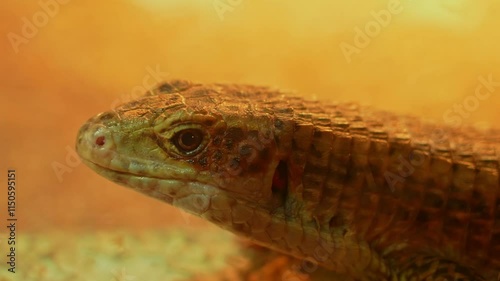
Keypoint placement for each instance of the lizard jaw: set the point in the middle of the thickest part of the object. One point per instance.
(191, 196)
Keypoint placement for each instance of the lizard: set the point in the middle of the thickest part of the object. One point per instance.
(365, 193)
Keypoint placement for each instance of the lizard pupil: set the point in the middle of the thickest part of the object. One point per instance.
(188, 140)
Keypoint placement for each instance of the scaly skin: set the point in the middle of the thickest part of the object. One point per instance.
(367, 194)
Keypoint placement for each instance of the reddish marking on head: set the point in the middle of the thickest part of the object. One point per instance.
(100, 141)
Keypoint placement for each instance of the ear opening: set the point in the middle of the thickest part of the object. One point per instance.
(280, 181)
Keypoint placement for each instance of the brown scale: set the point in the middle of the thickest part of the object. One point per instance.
(319, 164)
(316, 169)
(368, 201)
(300, 145)
(336, 180)
(391, 186)
(458, 205)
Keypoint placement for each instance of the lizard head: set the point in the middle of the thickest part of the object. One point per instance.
(204, 148)
(231, 154)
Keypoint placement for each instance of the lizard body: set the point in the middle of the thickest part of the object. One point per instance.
(365, 193)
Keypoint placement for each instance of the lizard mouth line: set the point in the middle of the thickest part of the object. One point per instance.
(110, 171)
(175, 188)
(101, 168)
(172, 189)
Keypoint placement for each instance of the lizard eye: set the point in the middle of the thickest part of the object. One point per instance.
(188, 141)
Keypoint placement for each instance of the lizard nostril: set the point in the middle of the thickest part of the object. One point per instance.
(99, 137)
(100, 141)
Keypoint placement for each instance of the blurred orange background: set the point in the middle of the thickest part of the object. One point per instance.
(83, 57)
